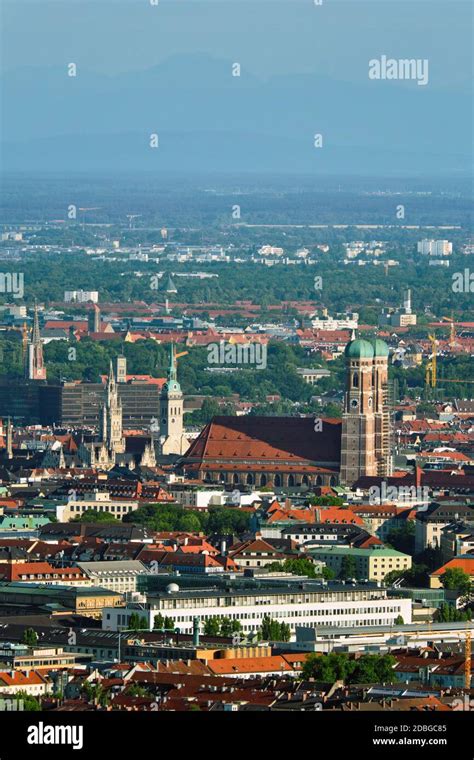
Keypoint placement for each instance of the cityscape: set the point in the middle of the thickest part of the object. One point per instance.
(236, 381)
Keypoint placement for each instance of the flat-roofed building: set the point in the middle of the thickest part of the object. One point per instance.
(309, 604)
(312, 376)
(373, 563)
(117, 575)
(21, 656)
(98, 501)
(88, 600)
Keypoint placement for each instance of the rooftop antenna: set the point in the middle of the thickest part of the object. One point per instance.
(130, 218)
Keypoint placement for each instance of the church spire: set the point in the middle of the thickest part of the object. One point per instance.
(172, 370)
(110, 421)
(35, 367)
(36, 338)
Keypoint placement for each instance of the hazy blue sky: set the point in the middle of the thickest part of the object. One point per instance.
(266, 36)
(304, 69)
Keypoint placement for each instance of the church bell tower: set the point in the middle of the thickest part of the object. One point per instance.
(365, 441)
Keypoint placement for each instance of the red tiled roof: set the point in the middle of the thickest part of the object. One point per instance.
(459, 563)
(17, 571)
(18, 678)
(265, 440)
(228, 666)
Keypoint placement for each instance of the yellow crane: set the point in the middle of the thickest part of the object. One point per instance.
(467, 661)
(430, 372)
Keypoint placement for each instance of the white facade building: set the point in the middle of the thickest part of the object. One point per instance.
(81, 296)
(307, 604)
(435, 247)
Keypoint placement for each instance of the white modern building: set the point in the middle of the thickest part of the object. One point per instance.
(81, 296)
(119, 575)
(339, 322)
(309, 604)
(435, 247)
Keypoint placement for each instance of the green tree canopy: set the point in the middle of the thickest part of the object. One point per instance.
(368, 668)
(455, 579)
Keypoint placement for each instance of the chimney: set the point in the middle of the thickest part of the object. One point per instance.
(407, 300)
(196, 631)
(223, 547)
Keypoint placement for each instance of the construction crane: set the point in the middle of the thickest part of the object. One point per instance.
(467, 660)
(181, 353)
(430, 372)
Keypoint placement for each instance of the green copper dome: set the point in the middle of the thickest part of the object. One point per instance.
(380, 348)
(359, 349)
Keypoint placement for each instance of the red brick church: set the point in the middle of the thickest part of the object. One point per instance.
(294, 451)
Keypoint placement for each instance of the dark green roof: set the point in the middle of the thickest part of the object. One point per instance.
(380, 348)
(359, 349)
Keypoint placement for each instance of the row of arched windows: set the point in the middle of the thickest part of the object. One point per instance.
(278, 480)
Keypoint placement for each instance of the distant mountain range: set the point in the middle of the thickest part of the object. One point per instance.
(208, 120)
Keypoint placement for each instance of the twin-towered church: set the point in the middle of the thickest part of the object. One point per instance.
(293, 451)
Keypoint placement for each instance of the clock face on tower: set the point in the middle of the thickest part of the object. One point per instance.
(354, 403)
